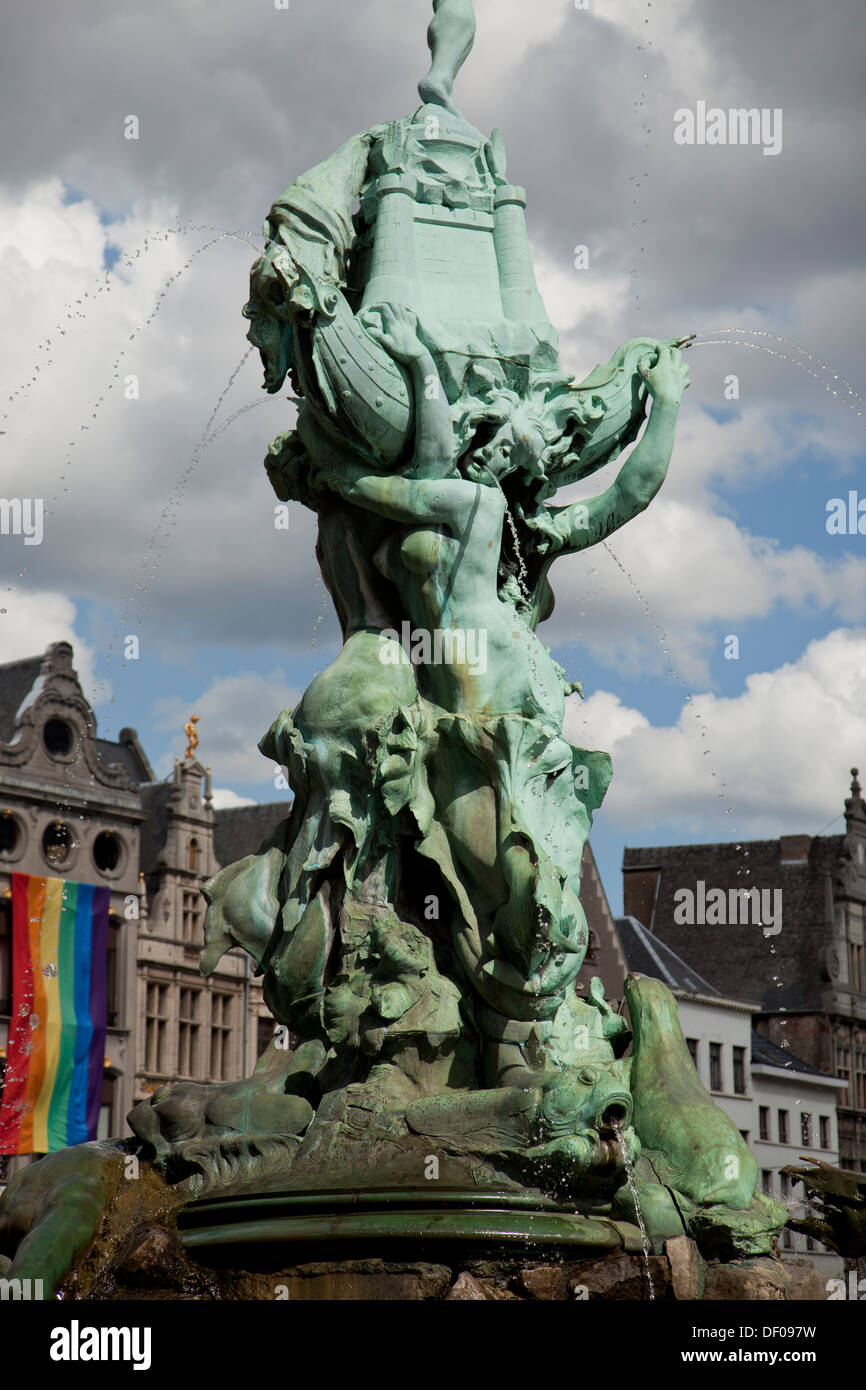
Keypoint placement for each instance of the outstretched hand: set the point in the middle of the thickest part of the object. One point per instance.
(669, 378)
(396, 328)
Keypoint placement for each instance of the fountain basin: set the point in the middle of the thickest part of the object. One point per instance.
(265, 1229)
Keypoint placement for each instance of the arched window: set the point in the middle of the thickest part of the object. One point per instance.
(112, 971)
(106, 1125)
(193, 855)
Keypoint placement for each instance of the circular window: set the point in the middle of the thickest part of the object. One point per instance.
(10, 834)
(57, 737)
(57, 843)
(107, 848)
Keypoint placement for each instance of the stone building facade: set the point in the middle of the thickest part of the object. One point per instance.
(73, 804)
(188, 1028)
(805, 965)
(69, 805)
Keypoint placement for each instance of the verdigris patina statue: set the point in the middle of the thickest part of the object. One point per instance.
(417, 918)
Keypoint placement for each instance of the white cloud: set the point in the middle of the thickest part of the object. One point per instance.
(234, 712)
(31, 622)
(778, 755)
(130, 518)
(226, 800)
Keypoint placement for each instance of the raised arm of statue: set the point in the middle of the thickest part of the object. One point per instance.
(396, 328)
(584, 524)
(433, 492)
(414, 503)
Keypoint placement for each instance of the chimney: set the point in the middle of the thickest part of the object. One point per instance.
(795, 848)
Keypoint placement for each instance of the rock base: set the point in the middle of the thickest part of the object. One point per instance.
(153, 1264)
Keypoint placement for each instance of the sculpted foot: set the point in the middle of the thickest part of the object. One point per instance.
(450, 37)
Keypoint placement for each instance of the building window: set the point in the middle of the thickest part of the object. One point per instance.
(57, 737)
(10, 835)
(5, 956)
(105, 1123)
(692, 1045)
(810, 1244)
(220, 1028)
(855, 967)
(107, 849)
(806, 1129)
(740, 1071)
(843, 1070)
(156, 1030)
(860, 1077)
(57, 843)
(783, 1127)
(715, 1066)
(192, 862)
(767, 1180)
(784, 1184)
(188, 1031)
(763, 1121)
(192, 918)
(265, 1030)
(787, 1243)
(824, 1131)
(112, 971)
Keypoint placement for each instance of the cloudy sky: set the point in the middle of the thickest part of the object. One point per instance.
(128, 403)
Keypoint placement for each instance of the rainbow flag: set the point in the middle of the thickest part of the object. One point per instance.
(52, 1088)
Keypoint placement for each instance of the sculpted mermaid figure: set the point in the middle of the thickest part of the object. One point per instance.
(496, 797)
(516, 830)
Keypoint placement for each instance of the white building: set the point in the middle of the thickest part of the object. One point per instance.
(784, 1108)
(796, 1118)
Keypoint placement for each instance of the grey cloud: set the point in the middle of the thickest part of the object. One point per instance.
(235, 98)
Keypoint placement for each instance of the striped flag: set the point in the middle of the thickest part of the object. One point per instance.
(54, 1069)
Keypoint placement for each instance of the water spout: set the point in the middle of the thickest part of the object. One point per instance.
(629, 1172)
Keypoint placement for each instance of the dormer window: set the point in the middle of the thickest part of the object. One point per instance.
(57, 737)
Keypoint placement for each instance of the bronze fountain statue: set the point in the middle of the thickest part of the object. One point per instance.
(416, 920)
